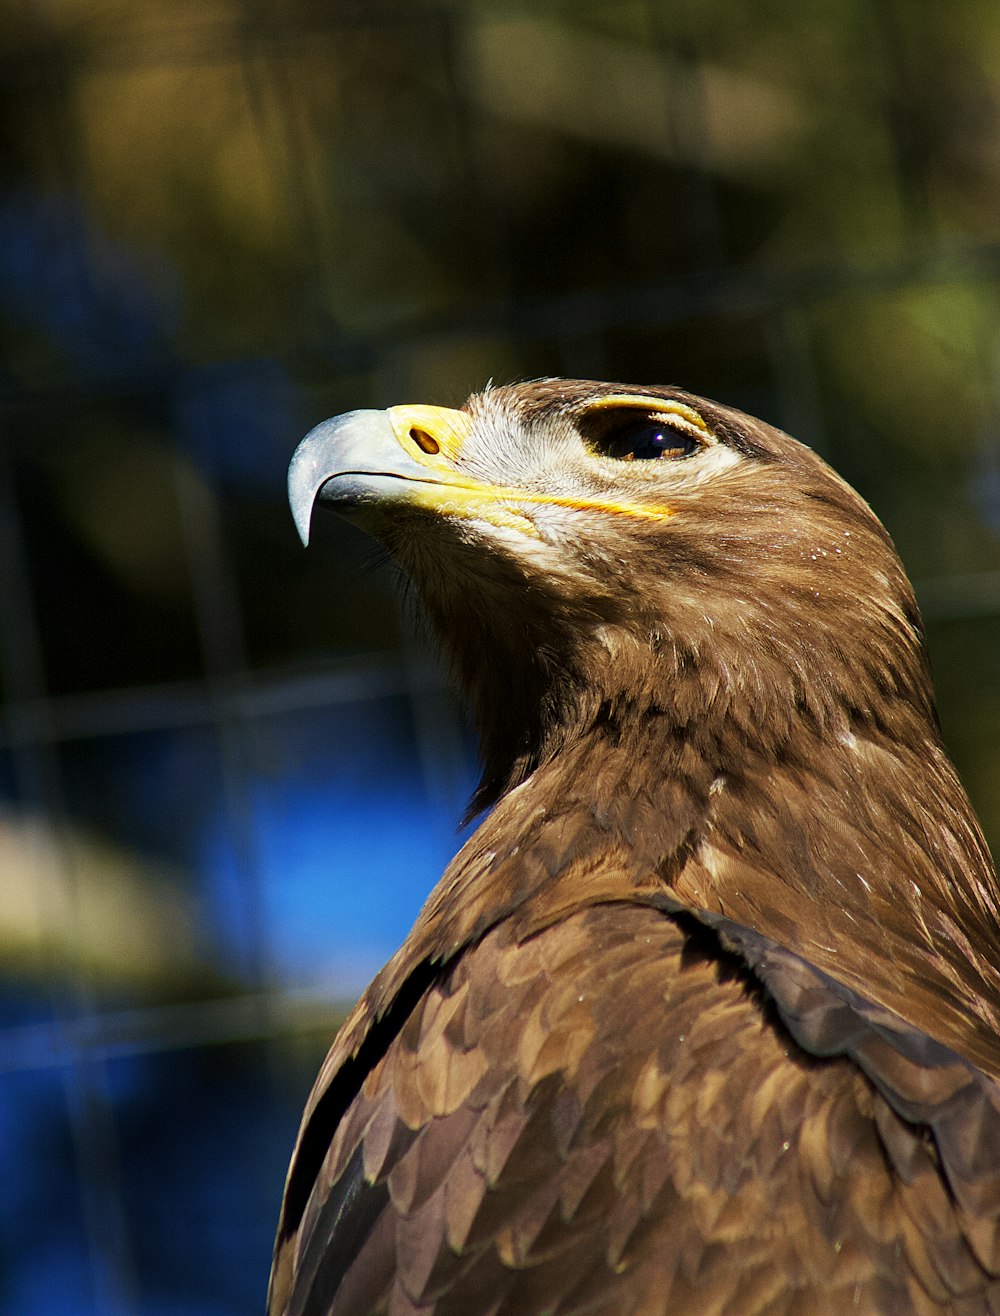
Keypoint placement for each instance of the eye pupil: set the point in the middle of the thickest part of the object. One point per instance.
(647, 441)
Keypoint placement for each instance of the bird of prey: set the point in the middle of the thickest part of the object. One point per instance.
(704, 1016)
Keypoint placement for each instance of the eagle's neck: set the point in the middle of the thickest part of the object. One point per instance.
(858, 851)
(799, 793)
(611, 802)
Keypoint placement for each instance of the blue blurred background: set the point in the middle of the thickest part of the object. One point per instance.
(230, 770)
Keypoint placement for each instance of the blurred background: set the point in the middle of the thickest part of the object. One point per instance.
(229, 769)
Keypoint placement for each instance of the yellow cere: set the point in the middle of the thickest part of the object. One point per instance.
(426, 432)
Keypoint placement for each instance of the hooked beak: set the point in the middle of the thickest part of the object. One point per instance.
(367, 457)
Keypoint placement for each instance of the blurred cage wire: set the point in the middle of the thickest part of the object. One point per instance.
(228, 773)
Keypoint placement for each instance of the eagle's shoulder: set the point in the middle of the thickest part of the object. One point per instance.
(629, 1103)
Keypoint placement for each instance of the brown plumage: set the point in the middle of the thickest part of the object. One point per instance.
(704, 1017)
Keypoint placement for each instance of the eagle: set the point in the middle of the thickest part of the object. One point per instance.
(705, 1015)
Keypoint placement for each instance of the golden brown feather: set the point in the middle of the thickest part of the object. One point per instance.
(704, 1017)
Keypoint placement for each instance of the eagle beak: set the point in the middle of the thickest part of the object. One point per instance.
(365, 457)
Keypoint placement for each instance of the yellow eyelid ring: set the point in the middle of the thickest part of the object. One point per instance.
(426, 433)
(679, 414)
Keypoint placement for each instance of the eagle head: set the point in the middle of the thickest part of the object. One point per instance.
(590, 551)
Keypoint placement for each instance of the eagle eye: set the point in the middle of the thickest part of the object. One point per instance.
(647, 438)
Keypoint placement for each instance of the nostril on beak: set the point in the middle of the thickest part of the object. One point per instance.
(424, 441)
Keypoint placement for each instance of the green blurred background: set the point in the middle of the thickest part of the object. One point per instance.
(221, 222)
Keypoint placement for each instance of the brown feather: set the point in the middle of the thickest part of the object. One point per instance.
(754, 1183)
(704, 1017)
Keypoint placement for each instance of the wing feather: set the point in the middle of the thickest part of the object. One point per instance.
(631, 1112)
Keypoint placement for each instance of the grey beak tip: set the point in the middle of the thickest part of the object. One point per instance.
(359, 443)
(302, 516)
(303, 481)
